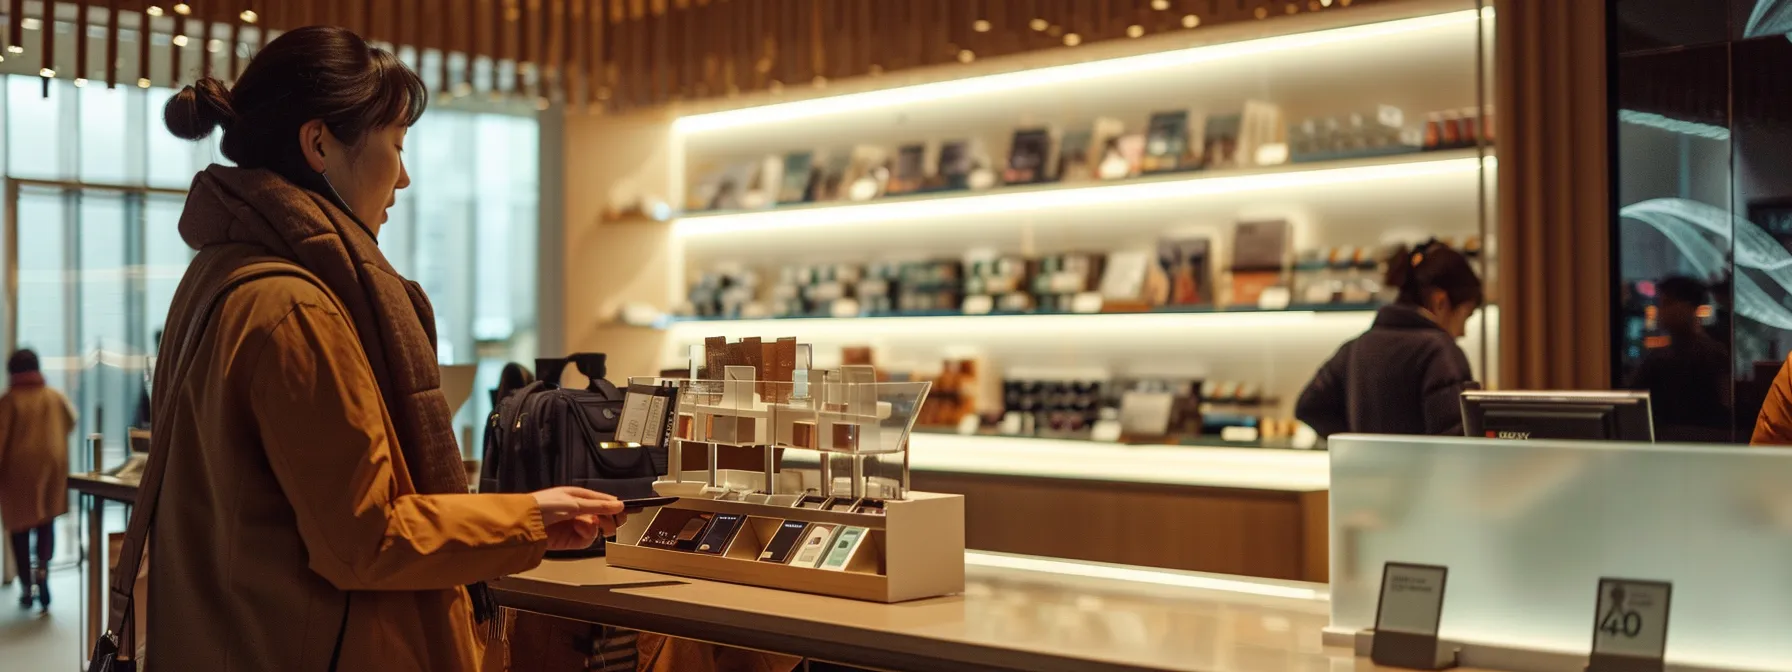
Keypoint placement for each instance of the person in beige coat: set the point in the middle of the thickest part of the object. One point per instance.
(35, 422)
(313, 513)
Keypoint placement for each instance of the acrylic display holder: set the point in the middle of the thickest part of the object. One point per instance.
(859, 429)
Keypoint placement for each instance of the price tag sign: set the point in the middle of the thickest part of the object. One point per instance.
(1408, 615)
(1630, 625)
(1412, 599)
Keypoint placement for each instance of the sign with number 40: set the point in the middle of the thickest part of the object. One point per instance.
(1630, 625)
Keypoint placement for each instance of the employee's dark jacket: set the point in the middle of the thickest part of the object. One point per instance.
(1403, 376)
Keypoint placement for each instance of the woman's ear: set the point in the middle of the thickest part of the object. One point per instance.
(1438, 301)
(314, 144)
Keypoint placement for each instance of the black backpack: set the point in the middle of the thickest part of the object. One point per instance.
(543, 435)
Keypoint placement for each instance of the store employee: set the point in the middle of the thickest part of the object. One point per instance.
(1406, 374)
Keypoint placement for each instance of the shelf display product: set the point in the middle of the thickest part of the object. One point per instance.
(859, 520)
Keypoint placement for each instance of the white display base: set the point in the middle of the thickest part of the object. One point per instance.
(1483, 656)
(914, 550)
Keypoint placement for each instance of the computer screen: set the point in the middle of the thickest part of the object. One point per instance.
(1598, 416)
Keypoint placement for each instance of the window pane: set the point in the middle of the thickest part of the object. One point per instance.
(443, 182)
(43, 289)
(34, 129)
(102, 134)
(109, 379)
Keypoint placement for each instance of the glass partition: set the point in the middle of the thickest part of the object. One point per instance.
(1528, 528)
(1704, 212)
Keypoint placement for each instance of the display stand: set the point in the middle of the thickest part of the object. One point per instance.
(869, 537)
(914, 550)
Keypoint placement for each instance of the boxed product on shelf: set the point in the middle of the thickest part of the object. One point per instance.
(1375, 132)
(1259, 258)
(1184, 266)
(1168, 145)
(798, 178)
(1457, 129)
(910, 174)
(1030, 157)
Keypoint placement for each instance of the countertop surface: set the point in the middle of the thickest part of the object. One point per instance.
(1017, 613)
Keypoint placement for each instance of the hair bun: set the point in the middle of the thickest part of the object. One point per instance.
(193, 112)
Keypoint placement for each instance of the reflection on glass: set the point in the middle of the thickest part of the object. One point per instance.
(1690, 267)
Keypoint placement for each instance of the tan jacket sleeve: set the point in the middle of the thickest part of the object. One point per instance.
(325, 433)
(1774, 426)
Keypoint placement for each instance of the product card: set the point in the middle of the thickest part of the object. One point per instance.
(1631, 619)
(1412, 599)
(647, 415)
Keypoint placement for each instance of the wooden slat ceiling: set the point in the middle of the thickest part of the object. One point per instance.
(613, 55)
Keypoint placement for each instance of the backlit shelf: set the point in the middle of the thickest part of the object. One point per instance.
(943, 314)
(1394, 171)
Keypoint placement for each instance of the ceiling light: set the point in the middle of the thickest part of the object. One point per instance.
(80, 82)
(1135, 30)
(1191, 21)
(980, 25)
(180, 40)
(153, 10)
(248, 16)
(31, 24)
(46, 72)
(969, 205)
(16, 49)
(1066, 74)
(1072, 39)
(182, 9)
(1160, 5)
(966, 56)
(214, 46)
(143, 82)
(1039, 24)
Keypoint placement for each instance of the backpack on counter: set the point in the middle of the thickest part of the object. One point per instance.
(542, 435)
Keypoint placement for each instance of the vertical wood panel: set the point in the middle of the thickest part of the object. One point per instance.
(112, 44)
(48, 58)
(15, 26)
(82, 18)
(1554, 196)
(145, 28)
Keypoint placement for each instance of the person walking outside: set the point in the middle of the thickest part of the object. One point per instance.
(35, 423)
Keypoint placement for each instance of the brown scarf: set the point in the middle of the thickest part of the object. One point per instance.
(392, 317)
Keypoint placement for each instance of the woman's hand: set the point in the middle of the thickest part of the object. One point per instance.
(576, 517)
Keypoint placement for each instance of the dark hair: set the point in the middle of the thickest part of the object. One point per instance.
(23, 361)
(316, 72)
(1681, 288)
(1415, 272)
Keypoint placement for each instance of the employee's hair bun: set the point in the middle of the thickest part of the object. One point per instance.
(197, 109)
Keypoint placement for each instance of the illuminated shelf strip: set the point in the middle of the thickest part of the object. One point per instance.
(1160, 577)
(1025, 199)
(1051, 325)
(1065, 74)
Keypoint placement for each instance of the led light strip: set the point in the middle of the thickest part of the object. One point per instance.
(965, 206)
(1136, 575)
(1043, 326)
(1063, 74)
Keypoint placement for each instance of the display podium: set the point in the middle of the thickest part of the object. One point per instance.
(861, 534)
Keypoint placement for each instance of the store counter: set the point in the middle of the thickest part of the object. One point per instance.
(1017, 613)
(1245, 511)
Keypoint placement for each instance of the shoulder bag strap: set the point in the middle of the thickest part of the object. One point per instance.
(130, 557)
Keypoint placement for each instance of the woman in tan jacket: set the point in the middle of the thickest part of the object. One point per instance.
(313, 513)
(35, 422)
